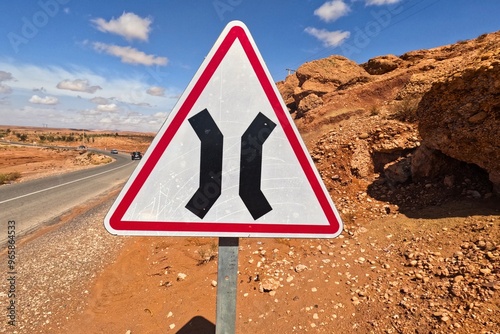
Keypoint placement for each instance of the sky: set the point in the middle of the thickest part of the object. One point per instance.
(123, 64)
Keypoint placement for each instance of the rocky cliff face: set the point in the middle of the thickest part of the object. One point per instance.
(460, 117)
(426, 118)
(385, 80)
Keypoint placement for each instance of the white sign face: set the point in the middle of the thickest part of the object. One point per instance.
(228, 161)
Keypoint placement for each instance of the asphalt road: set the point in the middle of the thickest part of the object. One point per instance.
(38, 202)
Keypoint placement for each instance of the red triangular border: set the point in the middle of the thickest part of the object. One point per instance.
(235, 33)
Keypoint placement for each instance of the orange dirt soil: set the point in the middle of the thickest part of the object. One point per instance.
(364, 281)
(437, 271)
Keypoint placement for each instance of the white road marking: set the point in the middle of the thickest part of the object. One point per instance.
(62, 184)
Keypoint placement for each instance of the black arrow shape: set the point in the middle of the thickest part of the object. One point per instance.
(251, 165)
(209, 188)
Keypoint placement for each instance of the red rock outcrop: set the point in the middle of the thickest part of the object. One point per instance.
(461, 116)
(455, 89)
(381, 65)
(318, 78)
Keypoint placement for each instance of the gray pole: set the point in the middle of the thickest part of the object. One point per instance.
(227, 279)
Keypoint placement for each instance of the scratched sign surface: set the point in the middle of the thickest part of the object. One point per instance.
(228, 161)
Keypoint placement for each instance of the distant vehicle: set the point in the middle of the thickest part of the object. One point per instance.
(82, 147)
(136, 156)
(114, 151)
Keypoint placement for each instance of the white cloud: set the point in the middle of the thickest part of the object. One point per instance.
(141, 104)
(380, 2)
(160, 115)
(329, 38)
(99, 100)
(129, 25)
(41, 90)
(78, 85)
(89, 112)
(5, 76)
(106, 120)
(126, 88)
(44, 100)
(332, 10)
(107, 107)
(4, 89)
(156, 91)
(131, 121)
(130, 55)
(136, 109)
(28, 76)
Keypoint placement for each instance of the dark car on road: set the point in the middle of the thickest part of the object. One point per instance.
(136, 155)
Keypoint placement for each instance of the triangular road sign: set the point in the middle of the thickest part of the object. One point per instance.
(228, 161)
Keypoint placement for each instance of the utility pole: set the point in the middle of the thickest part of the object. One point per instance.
(290, 71)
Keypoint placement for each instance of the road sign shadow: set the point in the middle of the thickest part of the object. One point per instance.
(197, 325)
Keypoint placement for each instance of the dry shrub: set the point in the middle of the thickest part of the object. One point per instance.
(406, 110)
(9, 177)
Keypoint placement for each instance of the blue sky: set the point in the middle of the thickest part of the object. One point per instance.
(122, 64)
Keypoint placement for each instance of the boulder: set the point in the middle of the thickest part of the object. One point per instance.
(325, 75)
(361, 165)
(427, 163)
(416, 55)
(398, 171)
(381, 65)
(309, 102)
(286, 88)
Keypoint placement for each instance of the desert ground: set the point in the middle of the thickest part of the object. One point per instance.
(53, 151)
(427, 266)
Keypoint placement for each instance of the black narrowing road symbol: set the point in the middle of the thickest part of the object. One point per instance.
(210, 166)
(251, 165)
(209, 188)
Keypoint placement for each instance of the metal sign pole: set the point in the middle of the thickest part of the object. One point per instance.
(227, 276)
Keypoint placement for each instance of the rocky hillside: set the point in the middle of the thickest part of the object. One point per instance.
(410, 130)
